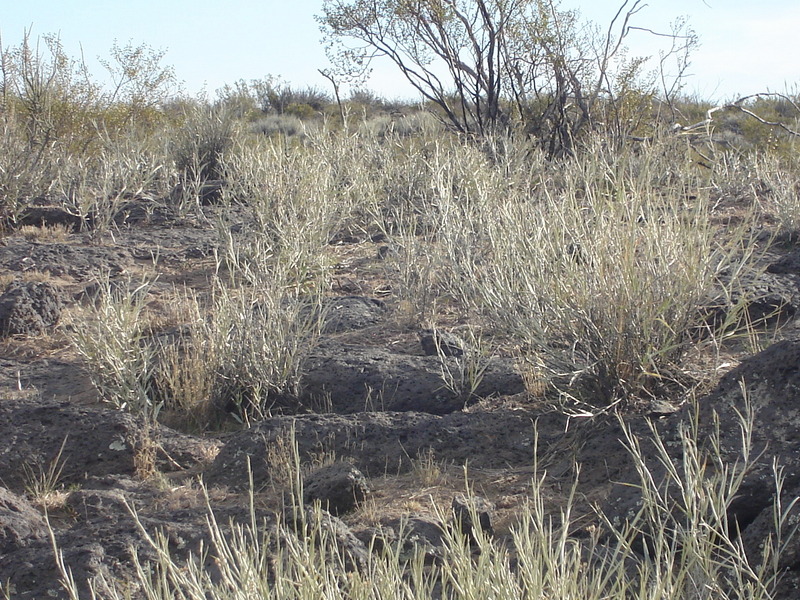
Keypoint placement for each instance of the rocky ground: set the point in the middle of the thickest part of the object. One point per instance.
(381, 438)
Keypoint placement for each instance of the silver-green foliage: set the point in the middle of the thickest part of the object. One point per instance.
(111, 339)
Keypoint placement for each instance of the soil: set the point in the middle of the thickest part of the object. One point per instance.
(372, 397)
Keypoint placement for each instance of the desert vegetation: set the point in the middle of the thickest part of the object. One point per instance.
(582, 222)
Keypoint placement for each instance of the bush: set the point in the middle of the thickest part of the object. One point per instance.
(206, 136)
(287, 125)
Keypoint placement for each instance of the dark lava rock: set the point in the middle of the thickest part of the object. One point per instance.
(101, 536)
(380, 443)
(406, 537)
(788, 263)
(20, 523)
(339, 487)
(62, 259)
(767, 387)
(42, 214)
(348, 379)
(98, 535)
(329, 528)
(768, 298)
(467, 509)
(435, 343)
(771, 391)
(95, 442)
(29, 308)
(349, 313)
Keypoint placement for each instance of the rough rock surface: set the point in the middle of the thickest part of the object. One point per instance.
(387, 442)
(350, 548)
(441, 342)
(412, 535)
(766, 387)
(97, 535)
(349, 313)
(767, 299)
(467, 509)
(20, 523)
(60, 259)
(29, 308)
(339, 487)
(95, 442)
(348, 379)
(44, 213)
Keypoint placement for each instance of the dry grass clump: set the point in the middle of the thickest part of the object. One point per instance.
(426, 468)
(46, 233)
(42, 482)
(779, 187)
(97, 186)
(597, 267)
(237, 352)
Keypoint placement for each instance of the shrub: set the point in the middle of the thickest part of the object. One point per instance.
(287, 125)
(198, 151)
(110, 335)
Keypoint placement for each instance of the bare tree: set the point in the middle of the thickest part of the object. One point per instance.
(451, 51)
(488, 65)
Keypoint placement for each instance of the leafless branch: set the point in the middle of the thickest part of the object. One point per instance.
(738, 106)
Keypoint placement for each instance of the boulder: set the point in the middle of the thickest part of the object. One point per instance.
(41, 213)
(406, 537)
(339, 487)
(63, 259)
(349, 313)
(472, 513)
(435, 343)
(20, 523)
(29, 308)
(765, 387)
(96, 442)
(379, 443)
(352, 551)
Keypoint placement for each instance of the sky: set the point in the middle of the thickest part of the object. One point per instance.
(743, 49)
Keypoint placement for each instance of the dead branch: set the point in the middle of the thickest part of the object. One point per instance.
(738, 107)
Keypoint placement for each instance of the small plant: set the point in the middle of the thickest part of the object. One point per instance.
(463, 371)
(427, 469)
(280, 460)
(145, 451)
(43, 483)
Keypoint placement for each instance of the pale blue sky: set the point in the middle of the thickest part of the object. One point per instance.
(743, 49)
